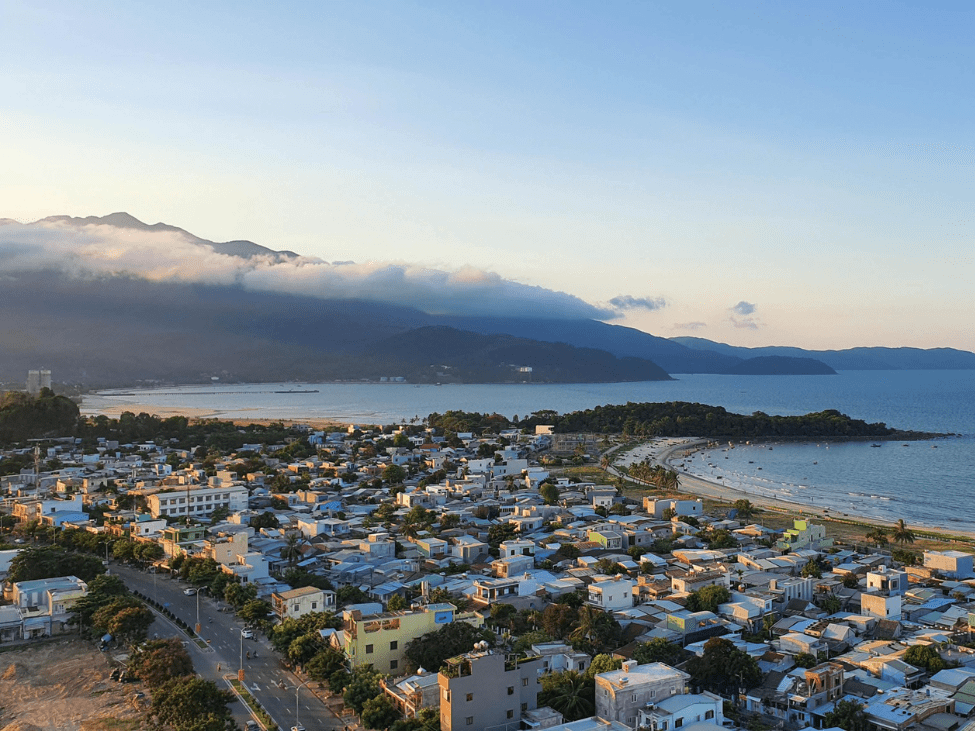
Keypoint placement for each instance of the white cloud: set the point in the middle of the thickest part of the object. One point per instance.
(97, 249)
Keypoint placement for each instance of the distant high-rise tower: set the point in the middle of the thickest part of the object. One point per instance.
(36, 380)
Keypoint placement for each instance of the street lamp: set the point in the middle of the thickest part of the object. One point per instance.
(240, 673)
(297, 688)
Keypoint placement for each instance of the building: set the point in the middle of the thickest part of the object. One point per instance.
(36, 380)
(45, 604)
(198, 502)
(485, 690)
(681, 710)
(657, 507)
(953, 564)
(381, 639)
(302, 601)
(620, 694)
(804, 535)
(611, 592)
(887, 580)
(412, 694)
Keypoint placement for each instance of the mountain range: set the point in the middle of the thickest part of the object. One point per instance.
(104, 327)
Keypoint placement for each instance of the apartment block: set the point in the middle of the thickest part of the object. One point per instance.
(620, 694)
(485, 690)
(197, 502)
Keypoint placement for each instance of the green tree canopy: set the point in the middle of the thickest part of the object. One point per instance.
(158, 661)
(723, 668)
(659, 650)
(192, 704)
(847, 715)
(432, 649)
(708, 598)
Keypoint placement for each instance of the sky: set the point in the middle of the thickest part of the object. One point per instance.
(757, 173)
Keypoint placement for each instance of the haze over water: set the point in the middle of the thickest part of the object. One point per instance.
(920, 483)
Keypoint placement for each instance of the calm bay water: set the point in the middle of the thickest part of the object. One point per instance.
(931, 483)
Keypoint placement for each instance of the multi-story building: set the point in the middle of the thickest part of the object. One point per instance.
(804, 535)
(611, 592)
(305, 600)
(484, 690)
(620, 694)
(681, 710)
(954, 564)
(197, 502)
(381, 639)
(45, 604)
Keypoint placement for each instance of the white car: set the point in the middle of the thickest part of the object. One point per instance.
(299, 727)
(189, 592)
(247, 634)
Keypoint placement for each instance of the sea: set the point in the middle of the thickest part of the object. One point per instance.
(927, 483)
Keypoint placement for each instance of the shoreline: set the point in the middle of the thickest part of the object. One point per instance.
(696, 485)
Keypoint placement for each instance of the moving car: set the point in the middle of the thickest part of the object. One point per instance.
(189, 592)
(247, 634)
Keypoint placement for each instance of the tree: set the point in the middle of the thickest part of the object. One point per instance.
(266, 519)
(569, 693)
(558, 620)
(394, 474)
(925, 657)
(708, 598)
(324, 664)
(192, 704)
(158, 661)
(602, 663)
(745, 509)
(363, 686)
(303, 648)
(850, 581)
(878, 536)
(847, 715)
(902, 534)
(255, 611)
(549, 493)
(723, 668)
(379, 713)
(596, 631)
(449, 521)
(125, 618)
(805, 660)
(659, 650)
(831, 603)
(397, 602)
(102, 590)
(432, 649)
(292, 548)
(768, 623)
(812, 569)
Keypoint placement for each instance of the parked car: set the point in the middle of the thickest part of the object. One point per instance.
(247, 634)
(189, 592)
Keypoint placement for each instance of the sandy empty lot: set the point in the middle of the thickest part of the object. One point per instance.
(64, 684)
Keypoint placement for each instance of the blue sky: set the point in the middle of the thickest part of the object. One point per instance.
(813, 161)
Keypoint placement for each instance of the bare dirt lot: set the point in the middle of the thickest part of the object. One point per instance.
(64, 684)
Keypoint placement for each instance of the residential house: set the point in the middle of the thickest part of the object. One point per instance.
(610, 593)
(381, 639)
(197, 502)
(620, 694)
(483, 690)
(954, 564)
(299, 602)
(680, 711)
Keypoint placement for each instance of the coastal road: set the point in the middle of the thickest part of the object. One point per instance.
(264, 675)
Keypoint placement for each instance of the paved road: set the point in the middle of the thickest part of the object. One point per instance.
(263, 674)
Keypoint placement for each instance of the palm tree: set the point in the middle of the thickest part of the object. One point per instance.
(903, 534)
(292, 548)
(879, 536)
(569, 697)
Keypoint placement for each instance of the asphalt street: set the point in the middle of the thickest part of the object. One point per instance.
(265, 675)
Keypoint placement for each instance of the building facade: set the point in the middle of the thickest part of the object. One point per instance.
(484, 690)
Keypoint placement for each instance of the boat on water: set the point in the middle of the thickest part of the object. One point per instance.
(298, 390)
(876, 445)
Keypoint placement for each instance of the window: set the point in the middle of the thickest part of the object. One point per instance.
(678, 722)
(368, 649)
(709, 714)
(511, 713)
(469, 720)
(314, 605)
(511, 690)
(394, 645)
(524, 682)
(470, 697)
(524, 707)
(393, 664)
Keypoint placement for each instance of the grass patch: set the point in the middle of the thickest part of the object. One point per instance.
(255, 707)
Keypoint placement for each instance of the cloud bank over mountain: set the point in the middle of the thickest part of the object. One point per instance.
(96, 250)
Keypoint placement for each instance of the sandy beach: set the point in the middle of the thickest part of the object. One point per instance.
(94, 405)
(669, 452)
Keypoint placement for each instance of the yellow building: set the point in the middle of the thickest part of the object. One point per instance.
(380, 639)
